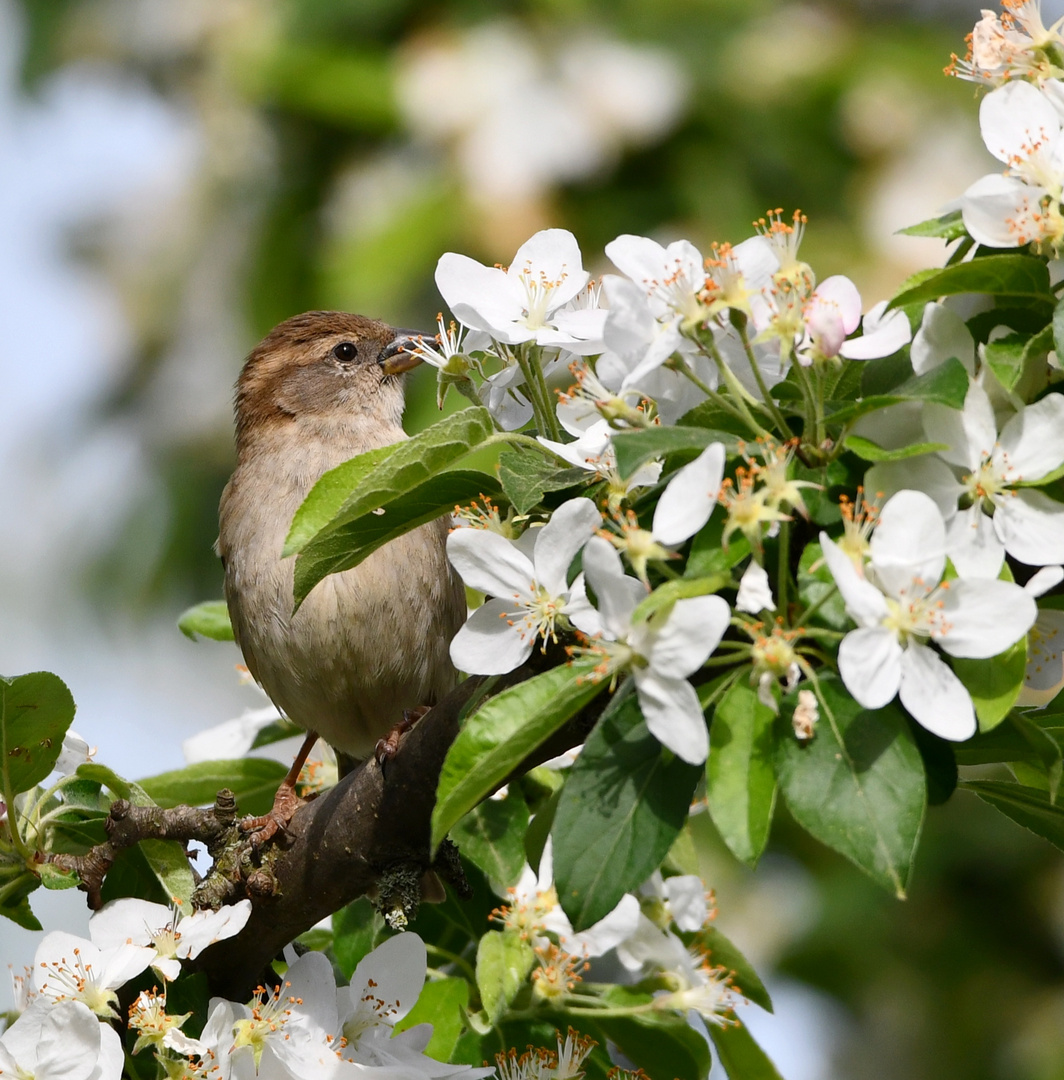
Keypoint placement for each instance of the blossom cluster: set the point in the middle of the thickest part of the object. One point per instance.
(301, 1027)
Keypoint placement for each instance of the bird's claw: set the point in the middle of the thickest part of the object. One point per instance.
(388, 747)
(263, 829)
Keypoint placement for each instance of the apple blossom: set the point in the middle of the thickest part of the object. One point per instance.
(529, 595)
(69, 968)
(172, 935)
(528, 301)
(902, 607)
(660, 652)
(60, 1042)
(1004, 515)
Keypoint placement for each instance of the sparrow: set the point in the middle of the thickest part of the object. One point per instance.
(370, 644)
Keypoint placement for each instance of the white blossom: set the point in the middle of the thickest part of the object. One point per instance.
(69, 968)
(60, 1042)
(172, 936)
(528, 594)
(660, 653)
(902, 607)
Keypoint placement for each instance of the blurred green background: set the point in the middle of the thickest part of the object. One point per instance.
(335, 148)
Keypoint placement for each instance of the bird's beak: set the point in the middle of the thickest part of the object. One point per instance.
(401, 354)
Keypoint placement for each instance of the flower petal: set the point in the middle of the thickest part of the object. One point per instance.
(617, 593)
(492, 641)
(483, 297)
(490, 564)
(883, 335)
(942, 334)
(689, 497)
(865, 604)
(552, 256)
(973, 545)
(673, 715)
(1015, 117)
(870, 665)
(755, 593)
(569, 529)
(1031, 526)
(1033, 439)
(690, 633)
(396, 972)
(985, 617)
(909, 541)
(933, 696)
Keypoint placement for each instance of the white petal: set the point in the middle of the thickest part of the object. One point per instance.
(933, 696)
(311, 981)
(569, 529)
(673, 715)
(883, 336)
(870, 665)
(579, 609)
(755, 592)
(112, 1059)
(617, 593)
(204, 928)
(927, 473)
(489, 563)
(552, 255)
(942, 334)
(483, 297)
(630, 324)
(1031, 526)
(69, 1045)
(608, 932)
(1044, 677)
(492, 641)
(985, 617)
(1034, 438)
(866, 605)
(690, 633)
(397, 969)
(686, 894)
(909, 541)
(1015, 117)
(689, 497)
(840, 293)
(128, 921)
(1002, 211)
(1044, 580)
(973, 545)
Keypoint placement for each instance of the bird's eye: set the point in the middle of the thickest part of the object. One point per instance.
(345, 351)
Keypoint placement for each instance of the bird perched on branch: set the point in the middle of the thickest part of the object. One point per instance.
(368, 644)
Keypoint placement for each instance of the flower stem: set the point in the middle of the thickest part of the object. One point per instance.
(777, 415)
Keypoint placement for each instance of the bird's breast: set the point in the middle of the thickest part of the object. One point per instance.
(366, 643)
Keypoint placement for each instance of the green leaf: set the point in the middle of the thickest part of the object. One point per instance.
(994, 684)
(374, 479)
(998, 275)
(1027, 806)
(662, 1043)
(662, 599)
(52, 877)
(252, 780)
(946, 385)
(357, 930)
(209, 619)
(168, 862)
(108, 778)
(35, 712)
(346, 545)
(722, 953)
(491, 836)
(740, 779)
(624, 802)
(327, 497)
(858, 786)
(947, 227)
(635, 448)
(502, 733)
(869, 451)
(443, 1004)
(526, 478)
(131, 874)
(740, 1054)
(1005, 357)
(504, 962)
(16, 906)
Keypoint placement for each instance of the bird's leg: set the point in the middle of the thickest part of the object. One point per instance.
(388, 747)
(285, 803)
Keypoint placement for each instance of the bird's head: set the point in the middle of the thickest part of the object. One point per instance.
(325, 369)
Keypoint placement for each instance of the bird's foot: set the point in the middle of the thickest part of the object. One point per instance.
(388, 747)
(285, 803)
